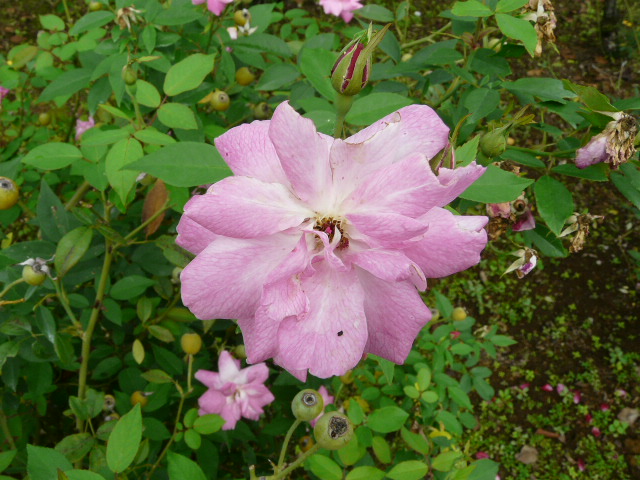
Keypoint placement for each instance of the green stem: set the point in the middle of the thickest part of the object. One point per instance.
(62, 296)
(189, 373)
(343, 105)
(93, 321)
(149, 220)
(10, 286)
(66, 10)
(212, 24)
(285, 444)
(560, 153)
(299, 461)
(427, 38)
(80, 193)
(173, 436)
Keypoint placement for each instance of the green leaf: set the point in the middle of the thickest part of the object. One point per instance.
(485, 390)
(502, 340)
(624, 181)
(53, 219)
(75, 446)
(323, 467)
(43, 463)
(381, 449)
(263, 42)
(591, 97)
(459, 396)
(277, 76)
(554, 201)
(207, 424)
(183, 468)
(597, 172)
(6, 458)
(467, 153)
(518, 29)
(192, 439)
(485, 469)
(424, 378)
(52, 22)
(387, 367)
(147, 94)
(505, 6)
(67, 84)
(481, 102)
(409, 470)
(124, 440)
(488, 62)
(97, 137)
(546, 242)
(90, 21)
(316, 65)
(161, 333)
(351, 453)
(122, 154)
(471, 8)
(365, 473)
(368, 109)
(415, 441)
(130, 287)
(177, 115)
(445, 461)
(52, 156)
(543, 88)
(82, 475)
(387, 419)
(523, 158)
(152, 136)
(71, 249)
(377, 13)
(157, 376)
(188, 74)
(200, 164)
(496, 186)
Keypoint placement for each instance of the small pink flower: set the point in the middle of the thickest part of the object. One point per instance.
(582, 466)
(596, 431)
(577, 397)
(215, 6)
(3, 92)
(83, 125)
(455, 334)
(481, 455)
(341, 8)
(561, 388)
(327, 399)
(547, 388)
(316, 301)
(589, 418)
(234, 392)
(605, 407)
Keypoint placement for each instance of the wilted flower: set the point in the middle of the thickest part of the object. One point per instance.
(351, 71)
(318, 246)
(241, 31)
(39, 265)
(341, 8)
(615, 145)
(215, 6)
(234, 392)
(327, 399)
(3, 92)
(83, 125)
(541, 13)
(579, 223)
(126, 16)
(516, 214)
(527, 260)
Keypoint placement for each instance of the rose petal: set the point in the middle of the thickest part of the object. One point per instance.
(452, 243)
(330, 339)
(225, 280)
(390, 265)
(192, 236)
(385, 227)
(209, 378)
(245, 207)
(593, 152)
(395, 314)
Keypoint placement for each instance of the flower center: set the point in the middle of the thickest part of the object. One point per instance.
(330, 225)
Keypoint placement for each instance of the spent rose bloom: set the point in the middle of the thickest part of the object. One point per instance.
(318, 246)
(615, 145)
(215, 6)
(327, 398)
(3, 92)
(341, 8)
(83, 125)
(234, 392)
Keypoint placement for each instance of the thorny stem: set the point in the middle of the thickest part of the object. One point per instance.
(299, 461)
(80, 193)
(285, 444)
(10, 286)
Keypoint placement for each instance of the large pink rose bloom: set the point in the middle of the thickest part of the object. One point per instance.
(234, 392)
(341, 8)
(318, 246)
(215, 6)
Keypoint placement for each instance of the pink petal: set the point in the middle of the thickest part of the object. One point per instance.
(245, 207)
(256, 374)
(225, 280)
(385, 227)
(303, 153)
(390, 266)
(209, 378)
(212, 401)
(231, 412)
(451, 183)
(526, 221)
(249, 152)
(395, 314)
(192, 236)
(330, 339)
(228, 367)
(452, 243)
(593, 152)
(217, 6)
(410, 130)
(255, 397)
